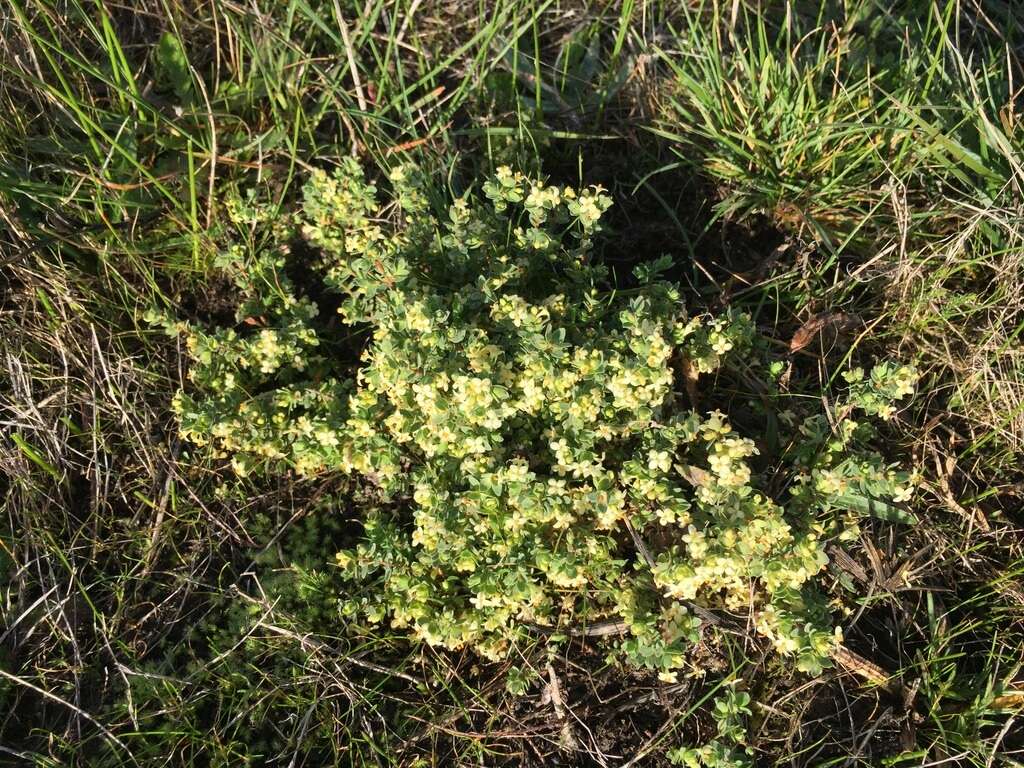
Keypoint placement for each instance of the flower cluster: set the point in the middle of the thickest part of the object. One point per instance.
(531, 461)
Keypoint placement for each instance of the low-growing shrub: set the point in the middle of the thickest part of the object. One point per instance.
(533, 461)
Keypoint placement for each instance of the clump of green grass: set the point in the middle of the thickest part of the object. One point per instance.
(791, 122)
(818, 120)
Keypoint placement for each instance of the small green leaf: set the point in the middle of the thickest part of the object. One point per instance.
(36, 457)
(170, 56)
(880, 508)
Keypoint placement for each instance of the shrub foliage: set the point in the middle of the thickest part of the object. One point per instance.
(535, 465)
